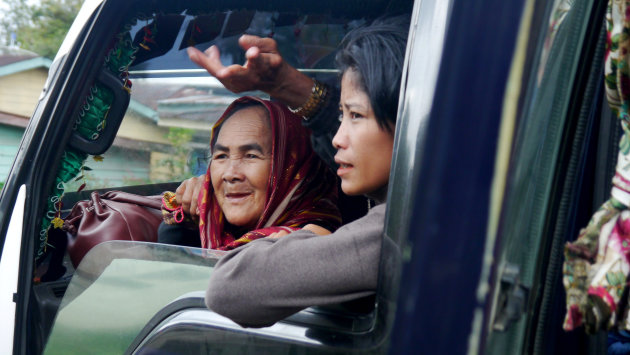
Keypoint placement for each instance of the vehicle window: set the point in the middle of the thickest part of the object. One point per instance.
(163, 137)
(10, 138)
(556, 43)
(116, 283)
(413, 113)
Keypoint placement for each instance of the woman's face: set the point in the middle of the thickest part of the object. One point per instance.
(240, 166)
(364, 150)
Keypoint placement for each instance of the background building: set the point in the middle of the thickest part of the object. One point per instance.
(163, 137)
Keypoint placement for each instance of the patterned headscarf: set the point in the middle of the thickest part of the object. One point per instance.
(302, 190)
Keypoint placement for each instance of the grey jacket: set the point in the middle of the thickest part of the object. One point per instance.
(270, 279)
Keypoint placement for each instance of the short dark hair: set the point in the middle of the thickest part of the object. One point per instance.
(377, 53)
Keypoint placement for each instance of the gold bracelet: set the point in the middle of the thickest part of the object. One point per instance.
(314, 103)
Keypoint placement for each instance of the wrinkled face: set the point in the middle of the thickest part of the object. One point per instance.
(364, 150)
(240, 166)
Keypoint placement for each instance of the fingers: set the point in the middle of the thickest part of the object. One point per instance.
(235, 78)
(187, 198)
(188, 192)
(193, 210)
(197, 186)
(180, 195)
(263, 63)
(261, 53)
(252, 53)
(209, 60)
(263, 70)
(266, 45)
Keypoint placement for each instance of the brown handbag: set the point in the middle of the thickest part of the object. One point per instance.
(114, 215)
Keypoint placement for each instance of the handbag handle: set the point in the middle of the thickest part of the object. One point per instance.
(121, 196)
(97, 204)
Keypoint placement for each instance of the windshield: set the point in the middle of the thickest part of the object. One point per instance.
(122, 285)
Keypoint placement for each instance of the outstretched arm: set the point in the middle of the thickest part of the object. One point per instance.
(270, 279)
(264, 70)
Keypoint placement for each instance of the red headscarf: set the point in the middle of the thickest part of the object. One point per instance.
(302, 189)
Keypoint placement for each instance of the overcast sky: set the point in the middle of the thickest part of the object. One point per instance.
(4, 8)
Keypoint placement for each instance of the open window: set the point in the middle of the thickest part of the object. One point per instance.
(138, 120)
(560, 171)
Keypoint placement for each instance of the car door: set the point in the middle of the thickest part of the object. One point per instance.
(516, 132)
(518, 151)
(560, 172)
(18, 200)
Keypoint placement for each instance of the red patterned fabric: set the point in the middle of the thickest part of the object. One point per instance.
(302, 190)
(597, 264)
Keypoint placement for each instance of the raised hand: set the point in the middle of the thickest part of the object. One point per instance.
(264, 70)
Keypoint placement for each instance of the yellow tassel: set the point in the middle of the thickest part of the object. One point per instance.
(57, 222)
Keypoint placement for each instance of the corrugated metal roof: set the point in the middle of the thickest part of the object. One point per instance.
(13, 120)
(9, 55)
(15, 60)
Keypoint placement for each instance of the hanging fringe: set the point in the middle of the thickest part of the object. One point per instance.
(89, 123)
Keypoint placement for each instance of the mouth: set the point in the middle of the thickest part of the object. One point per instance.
(237, 196)
(344, 167)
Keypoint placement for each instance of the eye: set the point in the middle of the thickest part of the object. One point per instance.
(356, 115)
(219, 156)
(252, 156)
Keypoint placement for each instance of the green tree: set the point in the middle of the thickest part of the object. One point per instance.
(176, 166)
(40, 27)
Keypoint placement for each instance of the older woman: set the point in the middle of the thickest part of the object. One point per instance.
(261, 179)
(272, 278)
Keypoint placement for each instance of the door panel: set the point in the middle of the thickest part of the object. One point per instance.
(9, 269)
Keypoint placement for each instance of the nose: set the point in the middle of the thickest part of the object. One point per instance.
(233, 171)
(340, 140)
